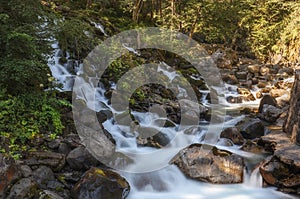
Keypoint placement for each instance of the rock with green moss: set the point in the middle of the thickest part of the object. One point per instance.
(101, 184)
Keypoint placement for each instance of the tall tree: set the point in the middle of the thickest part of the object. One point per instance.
(24, 44)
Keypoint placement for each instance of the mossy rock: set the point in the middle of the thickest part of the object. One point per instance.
(101, 184)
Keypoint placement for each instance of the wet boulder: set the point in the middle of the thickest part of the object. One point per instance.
(152, 137)
(252, 147)
(234, 100)
(80, 159)
(101, 184)
(42, 175)
(262, 84)
(224, 142)
(24, 188)
(246, 94)
(258, 95)
(210, 164)
(278, 92)
(273, 141)
(283, 84)
(233, 134)
(241, 75)
(230, 79)
(190, 112)
(264, 70)
(104, 115)
(253, 68)
(283, 169)
(286, 72)
(251, 128)
(270, 113)
(267, 99)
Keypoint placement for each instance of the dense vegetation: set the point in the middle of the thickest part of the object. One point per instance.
(29, 106)
(27, 111)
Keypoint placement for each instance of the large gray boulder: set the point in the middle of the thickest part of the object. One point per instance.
(233, 134)
(42, 175)
(24, 188)
(267, 99)
(270, 113)
(214, 166)
(251, 128)
(283, 169)
(80, 159)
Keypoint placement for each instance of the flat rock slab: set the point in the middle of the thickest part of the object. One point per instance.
(275, 141)
(283, 168)
(55, 161)
(289, 155)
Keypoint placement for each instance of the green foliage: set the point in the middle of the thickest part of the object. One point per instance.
(29, 116)
(289, 43)
(24, 44)
(20, 45)
(23, 76)
(139, 94)
(264, 27)
(120, 66)
(215, 21)
(265, 21)
(76, 37)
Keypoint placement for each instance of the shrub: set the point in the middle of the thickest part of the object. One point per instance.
(26, 117)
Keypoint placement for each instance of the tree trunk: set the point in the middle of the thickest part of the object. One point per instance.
(137, 9)
(291, 125)
(173, 14)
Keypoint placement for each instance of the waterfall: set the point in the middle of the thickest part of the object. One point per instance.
(171, 183)
(254, 179)
(165, 181)
(63, 72)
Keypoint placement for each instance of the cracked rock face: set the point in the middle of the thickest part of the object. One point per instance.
(282, 169)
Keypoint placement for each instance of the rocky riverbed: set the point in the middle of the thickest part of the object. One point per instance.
(64, 168)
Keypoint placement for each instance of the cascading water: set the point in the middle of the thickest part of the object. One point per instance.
(255, 179)
(63, 72)
(167, 181)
